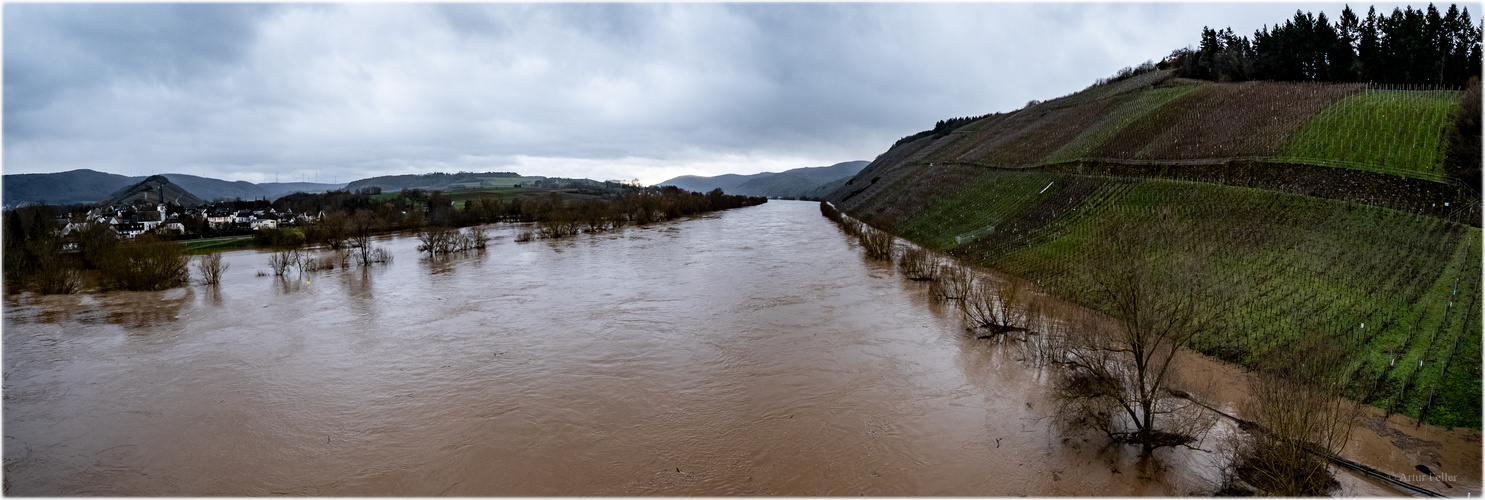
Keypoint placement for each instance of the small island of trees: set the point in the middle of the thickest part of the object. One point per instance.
(51, 249)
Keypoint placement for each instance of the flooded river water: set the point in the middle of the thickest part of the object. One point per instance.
(748, 352)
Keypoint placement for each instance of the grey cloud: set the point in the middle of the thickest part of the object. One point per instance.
(254, 90)
(51, 50)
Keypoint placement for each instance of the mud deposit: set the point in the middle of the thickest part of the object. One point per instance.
(751, 352)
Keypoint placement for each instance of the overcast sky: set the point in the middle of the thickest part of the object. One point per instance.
(337, 92)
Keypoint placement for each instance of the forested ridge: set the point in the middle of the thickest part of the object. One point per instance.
(1413, 47)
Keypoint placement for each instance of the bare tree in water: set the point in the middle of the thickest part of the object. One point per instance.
(361, 227)
(1118, 373)
(1299, 416)
(211, 268)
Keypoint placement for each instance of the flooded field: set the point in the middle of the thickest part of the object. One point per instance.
(749, 352)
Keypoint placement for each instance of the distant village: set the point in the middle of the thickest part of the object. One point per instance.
(163, 208)
(130, 220)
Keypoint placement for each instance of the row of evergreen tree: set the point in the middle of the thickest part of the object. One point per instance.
(1421, 47)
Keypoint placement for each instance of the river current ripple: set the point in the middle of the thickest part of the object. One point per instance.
(748, 352)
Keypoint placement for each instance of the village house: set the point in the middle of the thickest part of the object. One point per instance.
(264, 223)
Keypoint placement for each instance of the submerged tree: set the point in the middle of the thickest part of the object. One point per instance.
(1118, 374)
(211, 268)
(1300, 416)
(146, 263)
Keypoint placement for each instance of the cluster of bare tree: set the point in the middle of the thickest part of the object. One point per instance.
(953, 281)
(918, 264)
(1117, 372)
(145, 263)
(442, 240)
(1296, 419)
(33, 252)
(878, 241)
(38, 255)
(287, 259)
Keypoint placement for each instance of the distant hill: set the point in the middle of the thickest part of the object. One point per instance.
(62, 188)
(793, 183)
(276, 190)
(699, 184)
(441, 181)
(157, 189)
(825, 189)
(91, 186)
(210, 189)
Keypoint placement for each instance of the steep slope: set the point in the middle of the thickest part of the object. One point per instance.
(216, 189)
(1329, 218)
(792, 183)
(213, 189)
(155, 189)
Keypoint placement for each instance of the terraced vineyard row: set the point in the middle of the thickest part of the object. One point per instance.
(1394, 131)
(974, 210)
(1157, 118)
(1380, 280)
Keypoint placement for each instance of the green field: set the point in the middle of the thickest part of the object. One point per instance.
(506, 194)
(502, 193)
(968, 213)
(1384, 279)
(1396, 131)
(209, 245)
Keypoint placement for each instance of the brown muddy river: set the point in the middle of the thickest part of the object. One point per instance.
(749, 352)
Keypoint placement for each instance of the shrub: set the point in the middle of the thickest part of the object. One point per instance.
(953, 283)
(145, 263)
(437, 240)
(381, 255)
(211, 268)
(1298, 412)
(282, 260)
(994, 306)
(918, 264)
(878, 243)
(558, 224)
(55, 277)
(478, 237)
(280, 237)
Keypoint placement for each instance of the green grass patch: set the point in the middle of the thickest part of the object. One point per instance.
(506, 194)
(1385, 130)
(209, 245)
(969, 212)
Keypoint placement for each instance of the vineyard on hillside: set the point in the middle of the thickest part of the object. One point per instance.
(1400, 288)
(1157, 118)
(1394, 131)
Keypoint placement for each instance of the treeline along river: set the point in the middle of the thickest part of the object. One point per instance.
(746, 352)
